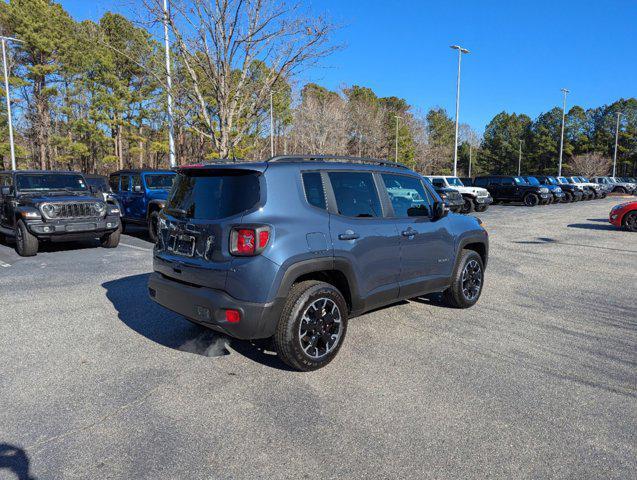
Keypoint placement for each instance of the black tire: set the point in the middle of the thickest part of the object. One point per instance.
(482, 208)
(468, 206)
(111, 240)
(568, 197)
(630, 221)
(153, 226)
(288, 339)
(122, 225)
(619, 190)
(531, 200)
(465, 290)
(26, 244)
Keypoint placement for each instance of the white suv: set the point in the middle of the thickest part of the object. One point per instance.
(615, 185)
(475, 198)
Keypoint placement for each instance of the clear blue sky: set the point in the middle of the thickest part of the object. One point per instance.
(522, 52)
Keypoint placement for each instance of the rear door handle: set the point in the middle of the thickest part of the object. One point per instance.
(349, 235)
(410, 232)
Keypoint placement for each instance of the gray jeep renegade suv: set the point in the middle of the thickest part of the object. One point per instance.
(293, 247)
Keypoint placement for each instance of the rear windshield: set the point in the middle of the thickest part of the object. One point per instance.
(213, 195)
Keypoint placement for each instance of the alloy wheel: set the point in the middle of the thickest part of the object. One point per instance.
(320, 328)
(471, 280)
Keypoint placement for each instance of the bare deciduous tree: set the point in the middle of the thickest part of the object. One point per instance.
(320, 124)
(590, 164)
(234, 52)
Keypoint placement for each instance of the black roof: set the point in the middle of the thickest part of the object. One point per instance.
(41, 171)
(144, 170)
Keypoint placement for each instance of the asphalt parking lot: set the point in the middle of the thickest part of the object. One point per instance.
(538, 380)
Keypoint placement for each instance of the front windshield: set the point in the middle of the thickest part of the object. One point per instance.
(552, 181)
(612, 179)
(533, 181)
(585, 180)
(519, 181)
(159, 180)
(455, 182)
(98, 183)
(562, 180)
(34, 182)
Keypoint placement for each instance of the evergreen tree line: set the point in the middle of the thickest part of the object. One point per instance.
(90, 96)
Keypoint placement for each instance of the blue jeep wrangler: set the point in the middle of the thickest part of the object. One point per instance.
(141, 194)
(293, 247)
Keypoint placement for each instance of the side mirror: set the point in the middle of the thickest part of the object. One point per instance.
(440, 210)
(137, 189)
(5, 191)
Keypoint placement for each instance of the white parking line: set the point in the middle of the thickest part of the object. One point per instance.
(4, 265)
(135, 247)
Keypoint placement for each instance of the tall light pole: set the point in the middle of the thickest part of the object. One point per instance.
(559, 168)
(171, 126)
(8, 97)
(396, 150)
(520, 160)
(271, 126)
(619, 114)
(455, 148)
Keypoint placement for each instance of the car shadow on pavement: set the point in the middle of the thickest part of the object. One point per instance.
(129, 295)
(16, 461)
(593, 226)
(137, 231)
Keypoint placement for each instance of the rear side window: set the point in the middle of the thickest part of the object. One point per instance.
(125, 183)
(481, 182)
(114, 183)
(314, 192)
(355, 194)
(213, 195)
(407, 195)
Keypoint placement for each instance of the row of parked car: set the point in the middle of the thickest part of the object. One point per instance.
(466, 195)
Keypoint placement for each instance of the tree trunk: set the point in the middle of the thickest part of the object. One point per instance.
(141, 145)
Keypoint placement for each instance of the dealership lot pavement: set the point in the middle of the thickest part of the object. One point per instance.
(538, 380)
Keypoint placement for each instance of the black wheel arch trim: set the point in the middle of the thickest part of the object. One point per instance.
(160, 204)
(321, 264)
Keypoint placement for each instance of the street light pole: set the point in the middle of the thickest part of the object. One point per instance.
(8, 96)
(619, 114)
(171, 126)
(520, 160)
(271, 127)
(455, 148)
(559, 168)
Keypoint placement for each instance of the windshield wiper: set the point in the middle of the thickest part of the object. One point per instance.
(179, 211)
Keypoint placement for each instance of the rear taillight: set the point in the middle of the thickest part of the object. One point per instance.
(248, 241)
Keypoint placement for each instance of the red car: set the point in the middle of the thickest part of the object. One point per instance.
(624, 215)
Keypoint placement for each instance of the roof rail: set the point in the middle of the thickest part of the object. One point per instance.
(333, 158)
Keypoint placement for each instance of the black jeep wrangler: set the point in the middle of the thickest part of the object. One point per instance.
(509, 188)
(41, 205)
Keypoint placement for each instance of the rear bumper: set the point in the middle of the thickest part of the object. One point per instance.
(207, 307)
(74, 229)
